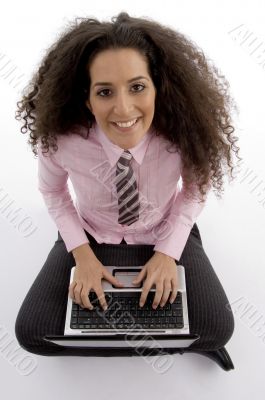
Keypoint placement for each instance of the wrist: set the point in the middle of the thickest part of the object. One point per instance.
(84, 250)
(163, 255)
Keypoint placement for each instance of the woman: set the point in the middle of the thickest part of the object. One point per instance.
(128, 107)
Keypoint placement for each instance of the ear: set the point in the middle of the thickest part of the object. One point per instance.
(89, 105)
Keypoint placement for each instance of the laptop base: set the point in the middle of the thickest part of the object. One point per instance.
(125, 341)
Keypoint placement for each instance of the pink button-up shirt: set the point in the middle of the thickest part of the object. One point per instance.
(165, 219)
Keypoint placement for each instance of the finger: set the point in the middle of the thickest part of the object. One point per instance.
(147, 286)
(174, 290)
(71, 290)
(101, 298)
(166, 293)
(85, 299)
(140, 276)
(77, 290)
(107, 275)
(158, 294)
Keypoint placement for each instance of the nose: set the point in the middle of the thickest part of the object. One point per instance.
(123, 105)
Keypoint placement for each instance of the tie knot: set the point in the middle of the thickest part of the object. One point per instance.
(128, 154)
(126, 157)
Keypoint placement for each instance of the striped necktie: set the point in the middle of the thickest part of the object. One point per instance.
(128, 196)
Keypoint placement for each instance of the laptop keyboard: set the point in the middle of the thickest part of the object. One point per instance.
(124, 312)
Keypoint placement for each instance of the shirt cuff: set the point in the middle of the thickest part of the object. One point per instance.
(72, 232)
(70, 243)
(174, 243)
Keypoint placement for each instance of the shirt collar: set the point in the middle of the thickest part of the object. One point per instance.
(114, 151)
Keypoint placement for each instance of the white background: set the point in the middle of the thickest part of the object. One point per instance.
(232, 229)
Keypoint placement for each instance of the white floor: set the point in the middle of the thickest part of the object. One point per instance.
(232, 230)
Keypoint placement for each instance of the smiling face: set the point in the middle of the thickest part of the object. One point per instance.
(116, 96)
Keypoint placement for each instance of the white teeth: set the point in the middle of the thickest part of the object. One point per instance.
(126, 124)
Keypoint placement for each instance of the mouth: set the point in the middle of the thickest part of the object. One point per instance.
(126, 129)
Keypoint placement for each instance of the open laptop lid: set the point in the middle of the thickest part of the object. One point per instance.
(124, 340)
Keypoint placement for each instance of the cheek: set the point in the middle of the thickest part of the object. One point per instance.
(101, 111)
(150, 109)
(148, 102)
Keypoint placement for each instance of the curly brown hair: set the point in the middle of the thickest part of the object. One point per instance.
(192, 108)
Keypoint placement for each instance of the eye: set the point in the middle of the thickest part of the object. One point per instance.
(104, 90)
(138, 84)
(101, 91)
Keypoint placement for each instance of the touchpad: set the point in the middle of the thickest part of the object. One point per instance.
(126, 276)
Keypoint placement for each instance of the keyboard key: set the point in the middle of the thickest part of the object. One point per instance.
(125, 312)
(85, 320)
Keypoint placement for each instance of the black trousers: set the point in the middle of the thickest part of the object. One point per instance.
(43, 310)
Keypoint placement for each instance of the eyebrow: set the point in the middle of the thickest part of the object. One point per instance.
(129, 81)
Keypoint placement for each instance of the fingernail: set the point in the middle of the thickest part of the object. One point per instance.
(141, 304)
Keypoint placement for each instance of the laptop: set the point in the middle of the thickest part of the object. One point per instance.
(125, 324)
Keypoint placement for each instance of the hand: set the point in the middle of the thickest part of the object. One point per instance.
(88, 274)
(160, 270)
